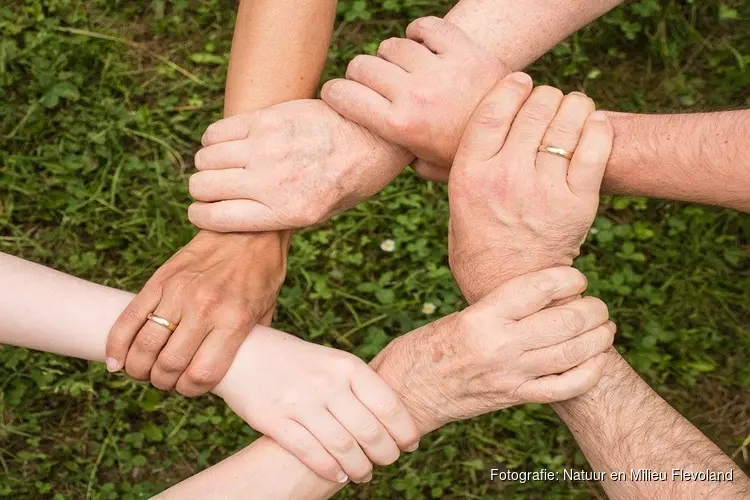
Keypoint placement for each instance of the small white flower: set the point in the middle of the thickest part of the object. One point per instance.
(593, 230)
(428, 308)
(388, 246)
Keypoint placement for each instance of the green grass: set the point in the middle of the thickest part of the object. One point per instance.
(103, 104)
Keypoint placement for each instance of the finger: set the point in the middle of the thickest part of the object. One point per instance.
(218, 185)
(527, 294)
(298, 441)
(235, 216)
(231, 154)
(430, 172)
(380, 400)
(487, 129)
(176, 356)
(558, 324)
(383, 77)
(359, 104)
(128, 324)
(438, 35)
(406, 54)
(572, 383)
(233, 128)
(590, 158)
(338, 441)
(564, 132)
(531, 124)
(212, 359)
(566, 355)
(153, 337)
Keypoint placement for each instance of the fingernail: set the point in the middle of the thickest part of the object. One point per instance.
(113, 365)
(341, 477)
(412, 447)
(521, 77)
(367, 478)
(598, 116)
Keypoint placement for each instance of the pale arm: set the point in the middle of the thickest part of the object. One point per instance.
(50, 311)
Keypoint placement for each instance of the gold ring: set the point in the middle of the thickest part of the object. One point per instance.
(568, 155)
(163, 322)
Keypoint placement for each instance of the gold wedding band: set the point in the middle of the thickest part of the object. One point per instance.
(161, 321)
(568, 155)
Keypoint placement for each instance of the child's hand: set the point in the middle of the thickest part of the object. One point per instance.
(325, 406)
(419, 92)
(514, 208)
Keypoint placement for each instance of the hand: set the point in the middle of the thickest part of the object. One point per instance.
(514, 209)
(505, 350)
(419, 92)
(325, 406)
(292, 165)
(216, 289)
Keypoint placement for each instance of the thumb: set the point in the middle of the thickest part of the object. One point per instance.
(430, 171)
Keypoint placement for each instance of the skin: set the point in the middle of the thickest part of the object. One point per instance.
(421, 100)
(622, 424)
(509, 349)
(344, 162)
(219, 286)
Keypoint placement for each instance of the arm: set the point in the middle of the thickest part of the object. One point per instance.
(698, 157)
(534, 208)
(623, 425)
(278, 52)
(488, 347)
(346, 163)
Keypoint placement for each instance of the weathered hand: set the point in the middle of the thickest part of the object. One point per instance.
(505, 350)
(288, 166)
(216, 289)
(325, 406)
(514, 209)
(419, 92)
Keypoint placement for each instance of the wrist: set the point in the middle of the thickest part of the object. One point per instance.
(397, 364)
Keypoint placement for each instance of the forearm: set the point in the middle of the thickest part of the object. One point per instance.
(697, 157)
(278, 52)
(520, 32)
(623, 425)
(50, 311)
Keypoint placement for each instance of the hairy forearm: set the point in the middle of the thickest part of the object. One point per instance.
(624, 426)
(520, 32)
(278, 52)
(697, 157)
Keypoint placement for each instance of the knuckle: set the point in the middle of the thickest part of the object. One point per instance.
(357, 66)
(388, 45)
(172, 363)
(571, 320)
(543, 283)
(400, 122)
(491, 114)
(574, 352)
(131, 317)
(343, 443)
(428, 22)
(368, 434)
(202, 376)
(206, 298)
(390, 406)
(148, 342)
